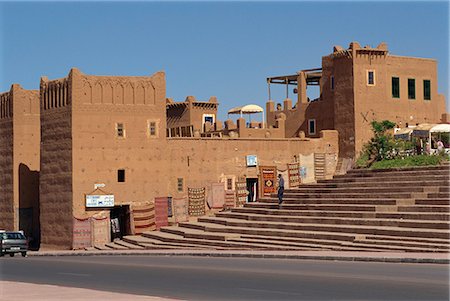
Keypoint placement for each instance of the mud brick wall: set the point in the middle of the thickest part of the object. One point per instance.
(6, 164)
(56, 168)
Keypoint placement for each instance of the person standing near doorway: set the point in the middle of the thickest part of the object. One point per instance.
(280, 189)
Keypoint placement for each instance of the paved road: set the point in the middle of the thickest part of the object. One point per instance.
(192, 278)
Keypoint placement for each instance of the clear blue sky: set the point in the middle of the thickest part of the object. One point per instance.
(226, 49)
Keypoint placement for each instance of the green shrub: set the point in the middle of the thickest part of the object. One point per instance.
(418, 160)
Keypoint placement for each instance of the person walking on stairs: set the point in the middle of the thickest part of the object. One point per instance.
(280, 189)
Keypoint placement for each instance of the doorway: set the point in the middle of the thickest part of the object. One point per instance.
(252, 187)
(120, 221)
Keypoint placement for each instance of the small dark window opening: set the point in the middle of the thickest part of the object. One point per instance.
(180, 184)
(120, 131)
(312, 127)
(371, 78)
(332, 82)
(121, 175)
(396, 87)
(152, 128)
(411, 88)
(427, 89)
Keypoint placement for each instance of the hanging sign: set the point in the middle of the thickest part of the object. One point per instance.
(94, 201)
(252, 160)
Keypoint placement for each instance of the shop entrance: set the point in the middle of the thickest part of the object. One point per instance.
(252, 187)
(120, 221)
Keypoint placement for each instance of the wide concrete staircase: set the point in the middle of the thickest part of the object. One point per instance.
(386, 210)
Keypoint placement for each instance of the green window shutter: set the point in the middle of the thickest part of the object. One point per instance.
(396, 87)
(411, 88)
(427, 89)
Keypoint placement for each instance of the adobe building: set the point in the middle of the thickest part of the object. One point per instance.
(186, 118)
(112, 131)
(19, 161)
(359, 85)
(121, 136)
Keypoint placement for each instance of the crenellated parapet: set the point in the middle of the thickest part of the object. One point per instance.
(6, 105)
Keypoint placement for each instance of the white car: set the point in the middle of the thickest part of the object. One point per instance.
(12, 242)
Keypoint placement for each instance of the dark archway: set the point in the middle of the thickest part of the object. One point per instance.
(29, 205)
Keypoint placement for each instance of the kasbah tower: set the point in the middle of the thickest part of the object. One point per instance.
(56, 143)
(80, 117)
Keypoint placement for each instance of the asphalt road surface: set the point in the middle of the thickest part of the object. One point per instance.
(195, 278)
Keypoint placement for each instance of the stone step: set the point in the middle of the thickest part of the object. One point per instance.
(332, 201)
(181, 239)
(433, 201)
(401, 244)
(369, 208)
(441, 184)
(153, 243)
(364, 245)
(385, 179)
(393, 240)
(211, 228)
(380, 173)
(335, 221)
(102, 247)
(128, 245)
(387, 240)
(397, 248)
(350, 229)
(369, 190)
(352, 214)
(360, 201)
(401, 169)
(445, 188)
(353, 207)
(441, 195)
(387, 195)
(115, 246)
(305, 246)
(424, 208)
(190, 232)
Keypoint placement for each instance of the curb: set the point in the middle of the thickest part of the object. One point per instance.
(252, 255)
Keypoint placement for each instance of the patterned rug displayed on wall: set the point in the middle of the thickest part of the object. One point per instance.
(307, 168)
(241, 193)
(331, 161)
(294, 174)
(180, 209)
(82, 235)
(100, 231)
(217, 195)
(268, 176)
(230, 199)
(143, 218)
(169, 207)
(196, 201)
(161, 212)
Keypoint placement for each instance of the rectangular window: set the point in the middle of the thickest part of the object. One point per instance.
(152, 128)
(426, 89)
(370, 77)
(312, 126)
(396, 87)
(180, 184)
(411, 88)
(332, 82)
(121, 175)
(120, 130)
